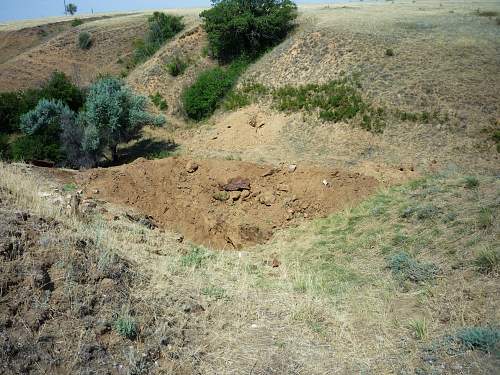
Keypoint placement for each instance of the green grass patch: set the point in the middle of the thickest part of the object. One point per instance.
(76, 22)
(126, 326)
(488, 261)
(84, 40)
(159, 102)
(195, 258)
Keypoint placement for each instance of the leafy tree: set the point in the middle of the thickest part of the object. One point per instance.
(247, 27)
(11, 107)
(41, 127)
(71, 8)
(113, 114)
(163, 27)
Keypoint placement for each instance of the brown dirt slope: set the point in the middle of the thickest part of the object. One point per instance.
(199, 205)
(112, 38)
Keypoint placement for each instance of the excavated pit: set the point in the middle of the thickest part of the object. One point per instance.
(226, 204)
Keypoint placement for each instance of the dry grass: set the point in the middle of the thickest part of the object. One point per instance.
(332, 306)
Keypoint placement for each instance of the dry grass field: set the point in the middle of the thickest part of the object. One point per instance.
(397, 272)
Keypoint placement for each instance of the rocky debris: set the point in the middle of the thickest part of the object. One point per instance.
(146, 221)
(244, 194)
(269, 172)
(191, 167)
(267, 198)
(292, 168)
(235, 195)
(325, 182)
(237, 184)
(283, 187)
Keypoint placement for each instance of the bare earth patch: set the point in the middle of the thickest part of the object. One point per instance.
(226, 204)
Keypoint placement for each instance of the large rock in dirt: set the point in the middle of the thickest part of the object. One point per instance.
(237, 184)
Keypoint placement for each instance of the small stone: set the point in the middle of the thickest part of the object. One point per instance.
(191, 167)
(95, 191)
(244, 194)
(292, 168)
(267, 198)
(179, 238)
(325, 182)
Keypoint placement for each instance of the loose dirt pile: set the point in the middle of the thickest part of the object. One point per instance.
(222, 203)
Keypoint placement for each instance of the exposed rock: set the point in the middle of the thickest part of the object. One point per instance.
(235, 195)
(269, 172)
(292, 168)
(237, 184)
(244, 194)
(191, 167)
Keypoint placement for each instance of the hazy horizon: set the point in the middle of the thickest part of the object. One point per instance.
(13, 10)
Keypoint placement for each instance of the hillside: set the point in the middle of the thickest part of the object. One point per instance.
(267, 239)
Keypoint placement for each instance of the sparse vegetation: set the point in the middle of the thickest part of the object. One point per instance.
(238, 28)
(471, 182)
(159, 102)
(177, 66)
(162, 27)
(389, 52)
(76, 22)
(419, 328)
(405, 267)
(125, 325)
(488, 261)
(195, 258)
(84, 40)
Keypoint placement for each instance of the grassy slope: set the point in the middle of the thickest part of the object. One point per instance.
(333, 304)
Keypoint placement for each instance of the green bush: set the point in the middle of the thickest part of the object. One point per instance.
(486, 339)
(202, 98)
(76, 22)
(14, 104)
(241, 27)
(389, 52)
(337, 100)
(248, 93)
(177, 66)
(405, 267)
(162, 27)
(471, 182)
(488, 261)
(4, 147)
(84, 40)
(37, 147)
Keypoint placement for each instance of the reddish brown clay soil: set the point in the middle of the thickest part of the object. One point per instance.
(226, 204)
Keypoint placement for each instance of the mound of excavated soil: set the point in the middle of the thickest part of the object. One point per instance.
(222, 203)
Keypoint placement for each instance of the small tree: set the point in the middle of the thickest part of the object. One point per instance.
(42, 127)
(71, 8)
(244, 27)
(113, 114)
